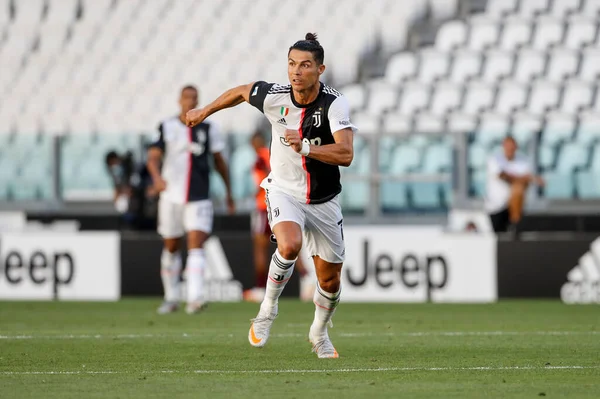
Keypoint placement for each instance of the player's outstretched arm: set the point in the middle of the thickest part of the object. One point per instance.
(340, 153)
(230, 98)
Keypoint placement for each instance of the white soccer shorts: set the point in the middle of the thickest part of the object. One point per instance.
(176, 219)
(322, 224)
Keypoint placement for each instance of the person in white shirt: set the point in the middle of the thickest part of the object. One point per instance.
(509, 174)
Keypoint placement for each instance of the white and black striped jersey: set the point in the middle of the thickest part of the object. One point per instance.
(309, 180)
(186, 150)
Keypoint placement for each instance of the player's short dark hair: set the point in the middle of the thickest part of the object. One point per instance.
(189, 87)
(312, 45)
(111, 156)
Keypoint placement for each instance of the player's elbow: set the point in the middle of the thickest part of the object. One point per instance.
(347, 157)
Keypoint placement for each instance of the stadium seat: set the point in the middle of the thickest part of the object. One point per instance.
(500, 8)
(544, 96)
(355, 94)
(483, 34)
(478, 96)
(477, 157)
(382, 98)
(560, 183)
(580, 32)
(461, 123)
(432, 65)
(577, 95)
(524, 127)
(591, 8)
(478, 183)
(368, 123)
(548, 32)
(498, 65)
(511, 96)
(588, 131)
(394, 195)
(590, 66)
(447, 96)
(414, 97)
(562, 64)
(491, 130)
(588, 185)
(355, 193)
(394, 123)
(443, 9)
(531, 8)
(562, 8)
(530, 64)
(465, 65)
(515, 34)
(546, 157)
(400, 67)
(428, 123)
(559, 128)
(451, 35)
(387, 145)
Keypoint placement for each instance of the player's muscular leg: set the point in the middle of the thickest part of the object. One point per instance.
(517, 199)
(289, 239)
(172, 244)
(328, 274)
(196, 239)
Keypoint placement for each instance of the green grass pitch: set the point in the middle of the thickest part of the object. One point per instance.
(511, 349)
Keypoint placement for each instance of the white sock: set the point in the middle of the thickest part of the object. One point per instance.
(280, 271)
(196, 262)
(170, 270)
(325, 305)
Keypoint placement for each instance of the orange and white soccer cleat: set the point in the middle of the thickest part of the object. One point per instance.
(260, 329)
(322, 346)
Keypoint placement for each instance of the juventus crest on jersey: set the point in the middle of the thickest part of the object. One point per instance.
(309, 180)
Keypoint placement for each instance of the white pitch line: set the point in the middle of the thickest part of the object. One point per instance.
(306, 371)
(298, 335)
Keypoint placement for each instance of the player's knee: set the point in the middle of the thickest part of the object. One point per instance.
(330, 284)
(289, 249)
(172, 245)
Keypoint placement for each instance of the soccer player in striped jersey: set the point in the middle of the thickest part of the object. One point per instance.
(311, 137)
(184, 204)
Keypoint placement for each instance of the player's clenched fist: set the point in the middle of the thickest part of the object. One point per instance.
(294, 139)
(193, 117)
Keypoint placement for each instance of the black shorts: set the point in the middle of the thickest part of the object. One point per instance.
(500, 221)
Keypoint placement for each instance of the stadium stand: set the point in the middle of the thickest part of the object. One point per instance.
(101, 74)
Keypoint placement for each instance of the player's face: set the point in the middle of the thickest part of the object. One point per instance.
(303, 70)
(188, 100)
(510, 148)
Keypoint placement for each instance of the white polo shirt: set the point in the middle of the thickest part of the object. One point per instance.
(498, 190)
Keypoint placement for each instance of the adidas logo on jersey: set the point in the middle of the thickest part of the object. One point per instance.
(583, 281)
(282, 121)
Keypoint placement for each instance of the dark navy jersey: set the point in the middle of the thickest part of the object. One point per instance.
(186, 151)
